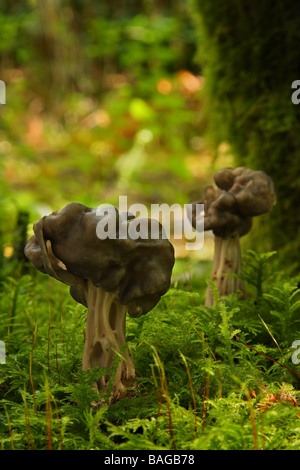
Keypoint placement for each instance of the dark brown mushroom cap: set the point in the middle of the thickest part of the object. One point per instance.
(65, 245)
(241, 194)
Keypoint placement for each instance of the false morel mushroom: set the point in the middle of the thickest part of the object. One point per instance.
(239, 195)
(110, 276)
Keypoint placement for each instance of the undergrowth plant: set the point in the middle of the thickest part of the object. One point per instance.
(207, 378)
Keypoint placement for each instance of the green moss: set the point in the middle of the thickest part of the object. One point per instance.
(195, 382)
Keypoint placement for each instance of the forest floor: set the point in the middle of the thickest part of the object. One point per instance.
(224, 377)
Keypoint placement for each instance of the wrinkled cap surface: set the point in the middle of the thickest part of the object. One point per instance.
(239, 195)
(138, 268)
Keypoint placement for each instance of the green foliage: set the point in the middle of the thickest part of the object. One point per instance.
(204, 376)
(285, 307)
(85, 120)
(256, 270)
(81, 46)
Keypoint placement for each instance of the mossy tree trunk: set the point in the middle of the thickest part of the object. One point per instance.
(250, 56)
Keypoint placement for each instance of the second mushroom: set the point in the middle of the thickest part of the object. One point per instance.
(239, 195)
(109, 276)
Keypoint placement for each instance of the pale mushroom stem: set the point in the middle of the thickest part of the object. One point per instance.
(105, 338)
(227, 261)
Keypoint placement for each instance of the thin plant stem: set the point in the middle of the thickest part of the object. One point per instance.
(192, 389)
(58, 422)
(48, 341)
(165, 392)
(252, 419)
(10, 429)
(30, 443)
(213, 355)
(268, 357)
(30, 370)
(48, 427)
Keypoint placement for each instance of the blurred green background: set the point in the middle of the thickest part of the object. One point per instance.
(102, 99)
(145, 99)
